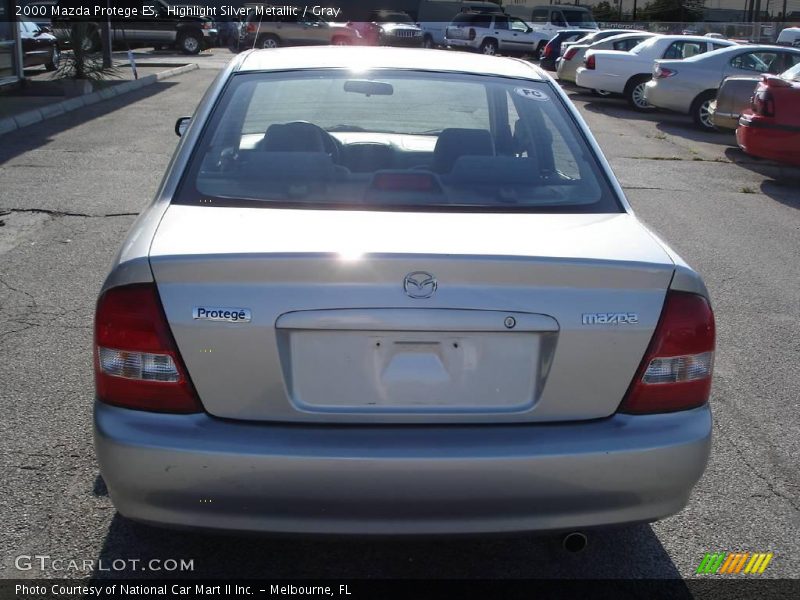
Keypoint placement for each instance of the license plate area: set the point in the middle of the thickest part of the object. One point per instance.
(393, 362)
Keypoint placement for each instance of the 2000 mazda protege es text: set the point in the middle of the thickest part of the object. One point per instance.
(397, 292)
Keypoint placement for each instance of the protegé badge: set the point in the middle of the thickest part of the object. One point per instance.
(221, 313)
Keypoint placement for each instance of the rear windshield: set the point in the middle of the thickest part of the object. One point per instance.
(394, 140)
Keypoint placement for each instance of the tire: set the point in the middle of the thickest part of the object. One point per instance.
(537, 55)
(190, 43)
(489, 47)
(269, 41)
(634, 92)
(55, 58)
(601, 93)
(340, 41)
(699, 110)
(427, 42)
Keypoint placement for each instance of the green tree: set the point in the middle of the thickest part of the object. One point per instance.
(603, 11)
(674, 10)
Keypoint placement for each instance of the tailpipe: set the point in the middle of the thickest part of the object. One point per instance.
(574, 542)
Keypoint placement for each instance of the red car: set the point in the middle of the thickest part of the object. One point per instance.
(770, 128)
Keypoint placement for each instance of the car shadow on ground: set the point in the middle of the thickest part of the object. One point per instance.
(783, 180)
(40, 134)
(609, 555)
(682, 126)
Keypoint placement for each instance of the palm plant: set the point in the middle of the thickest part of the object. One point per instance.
(84, 62)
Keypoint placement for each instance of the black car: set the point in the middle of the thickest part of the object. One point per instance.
(552, 49)
(38, 46)
(159, 28)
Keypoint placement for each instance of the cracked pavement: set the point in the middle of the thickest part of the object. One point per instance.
(71, 187)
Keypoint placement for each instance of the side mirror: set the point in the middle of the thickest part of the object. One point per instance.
(181, 125)
(529, 30)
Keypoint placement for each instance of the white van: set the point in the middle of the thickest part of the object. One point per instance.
(547, 20)
(789, 37)
(433, 17)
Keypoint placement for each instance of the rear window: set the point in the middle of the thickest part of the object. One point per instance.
(394, 140)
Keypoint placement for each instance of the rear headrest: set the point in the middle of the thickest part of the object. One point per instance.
(454, 142)
(292, 137)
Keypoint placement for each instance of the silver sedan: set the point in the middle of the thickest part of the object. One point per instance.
(689, 86)
(396, 292)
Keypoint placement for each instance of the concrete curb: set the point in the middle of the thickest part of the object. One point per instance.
(37, 115)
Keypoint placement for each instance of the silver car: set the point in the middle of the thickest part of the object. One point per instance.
(396, 292)
(689, 86)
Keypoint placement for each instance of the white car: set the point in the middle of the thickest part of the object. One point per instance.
(490, 34)
(627, 73)
(572, 58)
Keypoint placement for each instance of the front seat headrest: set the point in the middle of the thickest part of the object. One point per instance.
(455, 142)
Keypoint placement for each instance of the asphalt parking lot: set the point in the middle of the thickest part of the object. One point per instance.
(72, 186)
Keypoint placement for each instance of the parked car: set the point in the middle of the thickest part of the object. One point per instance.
(547, 20)
(572, 58)
(274, 31)
(770, 128)
(490, 34)
(552, 50)
(433, 17)
(689, 86)
(627, 73)
(38, 47)
(733, 97)
(275, 352)
(790, 36)
(189, 34)
(595, 36)
(389, 28)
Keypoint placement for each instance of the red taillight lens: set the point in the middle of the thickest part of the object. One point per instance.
(472, 34)
(251, 27)
(590, 62)
(663, 72)
(136, 361)
(570, 53)
(676, 371)
(548, 50)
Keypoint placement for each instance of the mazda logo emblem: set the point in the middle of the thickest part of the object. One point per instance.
(419, 284)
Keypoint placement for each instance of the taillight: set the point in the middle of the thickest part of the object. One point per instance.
(208, 25)
(571, 51)
(763, 103)
(675, 373)
(548, 50)
(471, 34)
(137, 364)
(589, 61)
(251, 28)
(660, 72)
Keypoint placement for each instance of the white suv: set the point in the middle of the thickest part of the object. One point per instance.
(490, 34)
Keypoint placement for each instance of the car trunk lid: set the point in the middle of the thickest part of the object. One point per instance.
(533, 317)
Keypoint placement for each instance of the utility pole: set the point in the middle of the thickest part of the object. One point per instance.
(784, 11)
(105, 32)
(634, 9)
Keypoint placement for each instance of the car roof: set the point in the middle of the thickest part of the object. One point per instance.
(337, 57)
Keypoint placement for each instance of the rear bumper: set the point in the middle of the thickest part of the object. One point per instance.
(759, 137)
(592, 79)
(201, 472)
(659, 95)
